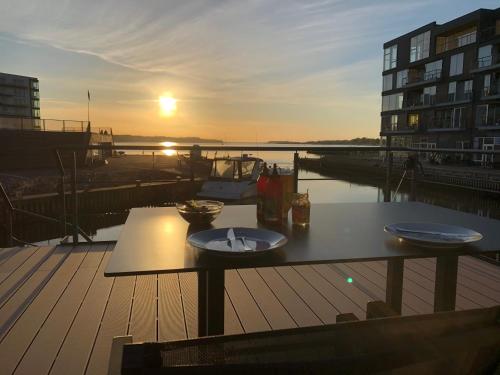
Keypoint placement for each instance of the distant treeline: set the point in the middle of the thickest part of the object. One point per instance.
(143, 138)
(355, 141)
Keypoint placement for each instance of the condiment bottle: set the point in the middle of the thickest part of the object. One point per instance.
(261, 192)
(273, 198)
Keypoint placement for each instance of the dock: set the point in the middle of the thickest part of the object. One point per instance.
(58, 313)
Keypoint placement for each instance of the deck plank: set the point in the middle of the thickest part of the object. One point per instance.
(468, 279)
(429, 275)
(248, 312)
(350, 290)
(15, 261)
(276, 315)
(19, 337)
(189, 289)
(17, 278)
(371, 281)
(77, 346)
(232, 324)
(171, 324)
(464, 289)
(481, 267)
(7, 252)
(291, 301)
(419, 298)
(44, 348)
(16, 304)
(321, 307)
(114, 323)
(327, 290)
(143, 318)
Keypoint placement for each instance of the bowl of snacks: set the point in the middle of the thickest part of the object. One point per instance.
(199, 212)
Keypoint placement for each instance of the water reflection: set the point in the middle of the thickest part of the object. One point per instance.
(169, 152)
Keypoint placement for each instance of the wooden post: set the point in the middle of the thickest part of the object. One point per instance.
(388, 171)
(394, 287)
(153, 160)
(296, 172)
(75, 201)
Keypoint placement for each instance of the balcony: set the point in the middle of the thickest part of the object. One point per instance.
(448, 43)
(419, 77)
(398, 129)
(488, 118)
(446, 125)
(491, 92)
(486, 63)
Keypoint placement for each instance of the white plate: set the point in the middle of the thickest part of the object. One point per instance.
(434, 234)
(248, 241)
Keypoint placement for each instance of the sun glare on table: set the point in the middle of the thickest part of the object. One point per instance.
(168, 105)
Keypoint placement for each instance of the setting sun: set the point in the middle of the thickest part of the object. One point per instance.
(168, 105)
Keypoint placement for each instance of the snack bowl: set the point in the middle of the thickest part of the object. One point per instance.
(199, 212)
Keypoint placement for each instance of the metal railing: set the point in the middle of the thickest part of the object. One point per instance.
(49, 125)
(455, 41)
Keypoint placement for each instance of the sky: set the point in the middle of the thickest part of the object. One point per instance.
(253, 70)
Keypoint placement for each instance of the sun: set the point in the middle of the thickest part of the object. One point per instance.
(168, 105)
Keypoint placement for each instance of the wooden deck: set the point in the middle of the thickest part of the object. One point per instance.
(58, 313)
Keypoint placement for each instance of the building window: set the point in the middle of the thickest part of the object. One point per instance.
(402, 78)
(419, 46)
(482, 115)
(443, 119)
(36, 104)
(392, 102)
(456, 64)
(429, 95)
(34, 85)
(452, 91)
(484, 56)
(433, 70)
(458, 117)
(487, 85)
(394, 122)
(413, 120)
(468, 89)
(35, 113)
(390, 57)
(387, 82)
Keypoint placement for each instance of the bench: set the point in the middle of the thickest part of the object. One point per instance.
(446, 342)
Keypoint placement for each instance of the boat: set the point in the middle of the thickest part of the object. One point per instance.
(232, 179)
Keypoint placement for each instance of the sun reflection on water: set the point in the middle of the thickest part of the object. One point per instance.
(168, 152)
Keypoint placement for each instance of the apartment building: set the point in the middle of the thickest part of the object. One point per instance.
(441, 85)
(19, 99)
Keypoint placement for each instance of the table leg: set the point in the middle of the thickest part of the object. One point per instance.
(210, 302)
(445, 290)
(394, 287)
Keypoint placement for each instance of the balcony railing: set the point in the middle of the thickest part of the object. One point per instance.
(492, 90)
(421, 76)
(452, 42)
(396, 128)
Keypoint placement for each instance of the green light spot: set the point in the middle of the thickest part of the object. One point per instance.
(349, 280)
